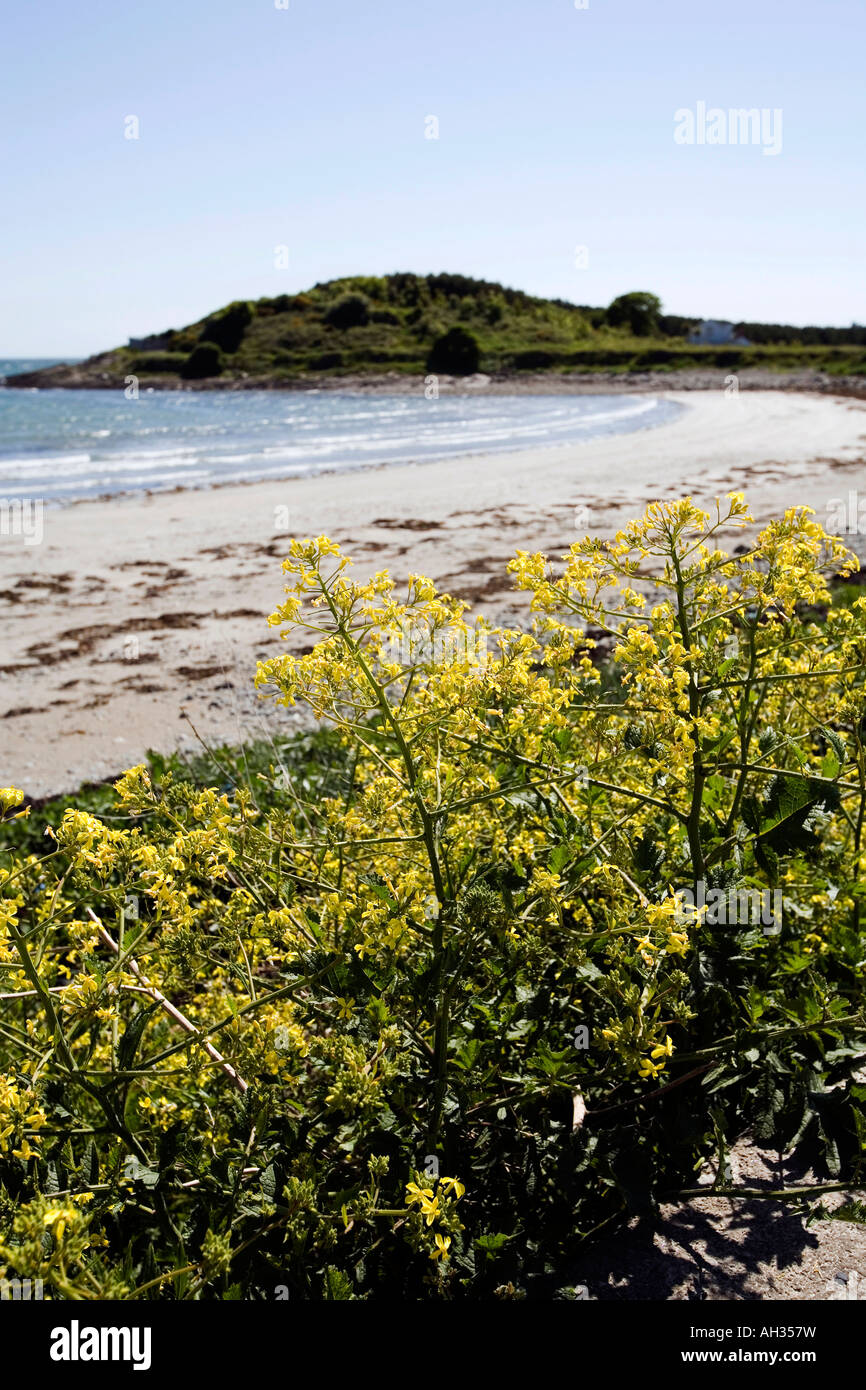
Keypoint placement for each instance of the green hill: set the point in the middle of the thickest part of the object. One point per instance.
(445, 324)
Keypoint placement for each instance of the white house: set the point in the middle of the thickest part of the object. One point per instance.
(716, 333)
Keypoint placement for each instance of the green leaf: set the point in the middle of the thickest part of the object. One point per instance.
(830, 766)
(140, 1172)
(492, 1242)
(853, 1211)
(559, 857)
(90, 1164)
(128, 1045)
(780, 821)
(836, 743)
(336, 1286)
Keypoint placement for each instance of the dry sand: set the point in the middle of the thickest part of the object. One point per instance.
(134, 609)
(733, 1249)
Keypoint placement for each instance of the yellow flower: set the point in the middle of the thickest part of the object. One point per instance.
(645, 948)
(57, 1218)
(452, 1185)
(648, 1069)
(442, 1246)
(425, 1198)
(9, 798)
(417, 1194)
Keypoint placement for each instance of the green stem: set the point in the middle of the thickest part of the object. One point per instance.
(693, 820)
(430, 832)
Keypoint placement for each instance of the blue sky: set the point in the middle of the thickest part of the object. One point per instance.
(305, 127)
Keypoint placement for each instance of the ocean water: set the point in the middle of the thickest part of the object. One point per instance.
(62, 445)
(10, 365)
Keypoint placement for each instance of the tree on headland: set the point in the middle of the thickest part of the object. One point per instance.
(638, 311)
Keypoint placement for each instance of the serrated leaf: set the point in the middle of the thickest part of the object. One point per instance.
(90, 1164)
(836, 743)
(128, 1045)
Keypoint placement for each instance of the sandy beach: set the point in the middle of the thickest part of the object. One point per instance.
(139, 614)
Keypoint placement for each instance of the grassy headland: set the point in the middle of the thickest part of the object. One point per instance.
(448, 324)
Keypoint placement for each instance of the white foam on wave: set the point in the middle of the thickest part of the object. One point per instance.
(319, 433)
(34, 462)
(136, 482)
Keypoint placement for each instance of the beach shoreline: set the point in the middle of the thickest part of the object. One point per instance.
(599, 381)
(172, 443)
(141, 615)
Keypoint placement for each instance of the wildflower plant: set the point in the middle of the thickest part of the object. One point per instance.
(453, 929)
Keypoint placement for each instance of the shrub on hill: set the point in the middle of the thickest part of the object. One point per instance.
(352, 311)
(204, 361)
(455, 353)
(228, 327)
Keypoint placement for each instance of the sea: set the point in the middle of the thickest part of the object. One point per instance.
(64, 445)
